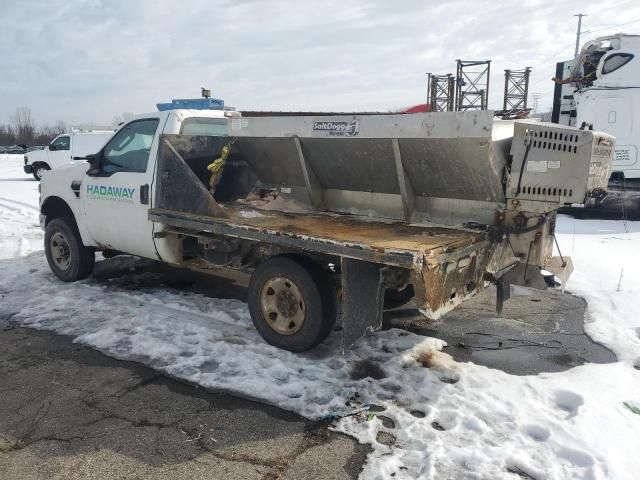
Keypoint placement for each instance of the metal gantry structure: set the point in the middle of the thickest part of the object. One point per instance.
(441, 92)
(469, 89)
(472, 85)
(516, 89)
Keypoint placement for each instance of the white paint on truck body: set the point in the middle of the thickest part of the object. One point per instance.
(110, 208)
(616, 112)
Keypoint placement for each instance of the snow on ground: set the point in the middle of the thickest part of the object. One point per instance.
(19, 229)
(606, 255)
(440, 418)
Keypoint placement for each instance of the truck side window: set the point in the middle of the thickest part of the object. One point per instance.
(128, 150)
(615, 61)
(60, 143)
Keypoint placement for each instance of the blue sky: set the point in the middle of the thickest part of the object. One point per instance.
(88, 60)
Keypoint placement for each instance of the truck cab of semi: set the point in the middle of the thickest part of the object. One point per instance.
(61, 150)
(604, 94)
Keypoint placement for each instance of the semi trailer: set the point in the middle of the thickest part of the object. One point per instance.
(328, 212)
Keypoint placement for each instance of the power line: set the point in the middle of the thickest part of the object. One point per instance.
(552, 56)
(616, 25)
(555, 55)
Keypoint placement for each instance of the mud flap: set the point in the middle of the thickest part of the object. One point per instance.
(362, 299)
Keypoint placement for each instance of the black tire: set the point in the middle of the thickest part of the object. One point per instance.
(67, 256)
(308, 283)
(38, 170)
(397, 298)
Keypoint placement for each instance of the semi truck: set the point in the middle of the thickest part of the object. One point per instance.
(61, 150)
(328, 212)
(600, 89)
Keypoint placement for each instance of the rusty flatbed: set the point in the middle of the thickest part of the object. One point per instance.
(391, 243)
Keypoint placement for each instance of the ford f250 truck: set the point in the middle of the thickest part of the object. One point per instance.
(328, 210)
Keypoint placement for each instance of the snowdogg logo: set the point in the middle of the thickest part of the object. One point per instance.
(102, 192)
(338, 129)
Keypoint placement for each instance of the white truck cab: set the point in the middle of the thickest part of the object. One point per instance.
(106, 198)
(62, 149)
(605, 96)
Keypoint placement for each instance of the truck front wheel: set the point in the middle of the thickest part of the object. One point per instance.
(291, 303)
(39, 169)
(67, 256)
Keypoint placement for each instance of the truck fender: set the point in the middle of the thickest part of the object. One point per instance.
(55, 207)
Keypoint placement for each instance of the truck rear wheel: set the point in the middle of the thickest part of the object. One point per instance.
(39, 169)
(67, 256)
(291, 303)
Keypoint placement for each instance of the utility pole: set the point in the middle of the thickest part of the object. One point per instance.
(579, 15)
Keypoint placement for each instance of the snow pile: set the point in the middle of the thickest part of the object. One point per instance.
(425, 415)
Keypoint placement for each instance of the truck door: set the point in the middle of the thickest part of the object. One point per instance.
(59, 153)
(117, 197)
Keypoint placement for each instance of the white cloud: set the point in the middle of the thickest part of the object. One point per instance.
(87, 60)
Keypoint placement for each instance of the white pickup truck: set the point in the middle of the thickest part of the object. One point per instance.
(322, 208)
(63, 148)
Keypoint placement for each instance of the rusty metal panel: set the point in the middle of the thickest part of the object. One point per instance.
(447, 280)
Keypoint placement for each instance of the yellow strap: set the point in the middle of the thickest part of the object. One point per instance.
(216, 166)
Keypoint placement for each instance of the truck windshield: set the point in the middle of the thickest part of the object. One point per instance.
(212, 127)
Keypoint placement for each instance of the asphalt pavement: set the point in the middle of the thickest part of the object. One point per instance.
(67, 411)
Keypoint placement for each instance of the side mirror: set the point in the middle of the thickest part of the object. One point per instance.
(94, 161)
(52, 147)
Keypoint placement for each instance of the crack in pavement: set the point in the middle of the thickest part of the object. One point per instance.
(90, 403)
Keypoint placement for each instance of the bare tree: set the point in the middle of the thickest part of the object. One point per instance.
(58, 128)
(6, 135)
(22, 130)
(23, 125)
